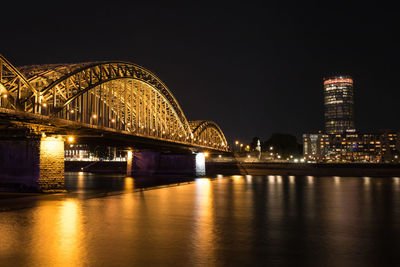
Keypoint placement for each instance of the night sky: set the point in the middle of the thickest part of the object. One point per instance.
(252, 70)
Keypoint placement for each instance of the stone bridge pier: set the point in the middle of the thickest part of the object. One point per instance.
(32, 164)
(158, 163)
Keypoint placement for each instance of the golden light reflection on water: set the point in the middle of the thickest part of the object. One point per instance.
(271, 179)
(58, 234)
(249, 178)
(129, 184)
(204, 218)
(81, 181)
(237, 178)
(69, 230)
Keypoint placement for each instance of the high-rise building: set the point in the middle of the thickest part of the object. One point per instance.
(339, 101)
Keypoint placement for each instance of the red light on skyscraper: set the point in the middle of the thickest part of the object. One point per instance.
(338, 80)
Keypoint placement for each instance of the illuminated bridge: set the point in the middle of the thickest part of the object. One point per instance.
(112, 102)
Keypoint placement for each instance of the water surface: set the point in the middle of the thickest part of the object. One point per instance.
(109, 220)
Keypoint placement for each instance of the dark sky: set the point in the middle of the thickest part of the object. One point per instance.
(254, 70)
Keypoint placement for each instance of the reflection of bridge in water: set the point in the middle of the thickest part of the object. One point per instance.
(111, 103)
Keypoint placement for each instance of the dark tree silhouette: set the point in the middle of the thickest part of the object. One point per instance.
(284, 144)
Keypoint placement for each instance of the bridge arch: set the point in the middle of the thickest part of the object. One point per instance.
(113, 95)
(116, 94)
(208, 133)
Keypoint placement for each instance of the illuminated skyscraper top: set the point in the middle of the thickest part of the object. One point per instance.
(339, 101)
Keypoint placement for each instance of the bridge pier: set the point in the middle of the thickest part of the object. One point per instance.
(33, 164)
(157, 163)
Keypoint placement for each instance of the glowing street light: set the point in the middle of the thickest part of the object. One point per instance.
(71, 139)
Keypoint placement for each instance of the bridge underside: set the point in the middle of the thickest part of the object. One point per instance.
(32, 151)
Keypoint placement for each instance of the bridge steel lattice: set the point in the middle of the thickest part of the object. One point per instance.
(115, 96)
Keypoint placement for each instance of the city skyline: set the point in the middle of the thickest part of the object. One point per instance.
(253, 71)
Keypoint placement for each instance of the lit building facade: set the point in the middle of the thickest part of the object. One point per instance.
(339, 104)
(352, 147)
(315, 146)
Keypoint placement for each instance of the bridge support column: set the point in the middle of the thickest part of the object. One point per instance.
(51, 164)
(129, 163)
(32, 164)
(157, 163)
(200, 164)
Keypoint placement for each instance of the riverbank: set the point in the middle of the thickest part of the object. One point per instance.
(320, 169)
(259, 168)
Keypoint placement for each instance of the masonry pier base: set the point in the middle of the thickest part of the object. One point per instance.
(34, 164)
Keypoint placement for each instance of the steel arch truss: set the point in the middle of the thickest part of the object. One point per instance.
(128, 105)
(208, 133)
(14, 87)
(117, 96)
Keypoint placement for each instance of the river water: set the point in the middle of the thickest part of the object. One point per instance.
(110, 220)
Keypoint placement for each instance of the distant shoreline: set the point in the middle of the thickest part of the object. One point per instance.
(261, 168)
(313, 169)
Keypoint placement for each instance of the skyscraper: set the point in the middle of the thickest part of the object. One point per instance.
(339, 101)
